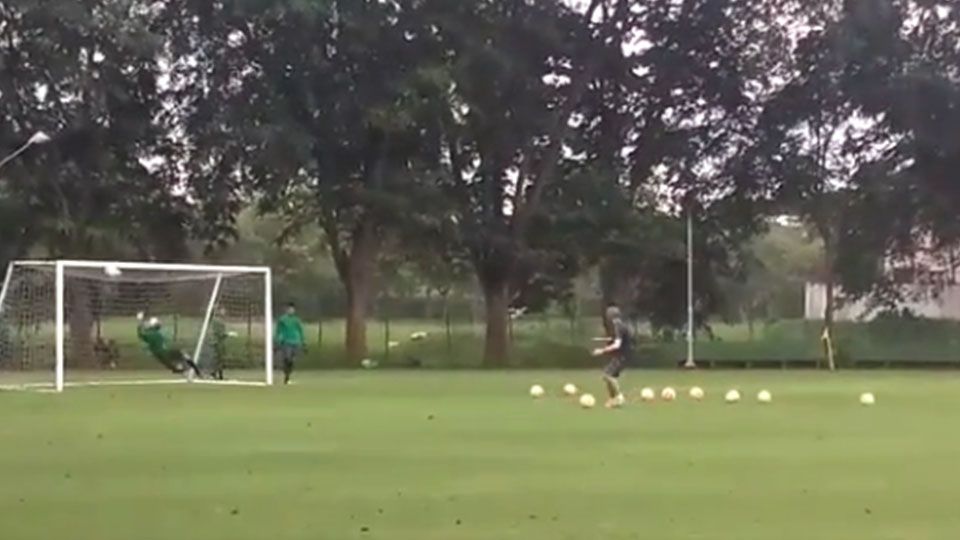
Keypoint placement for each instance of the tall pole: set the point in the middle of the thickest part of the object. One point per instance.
(690, 320)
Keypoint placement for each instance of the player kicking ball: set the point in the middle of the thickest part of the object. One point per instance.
(619, 350)
(151, 333)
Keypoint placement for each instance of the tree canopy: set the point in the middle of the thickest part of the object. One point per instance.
(512, 144)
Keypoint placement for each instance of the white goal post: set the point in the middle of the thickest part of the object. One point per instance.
(76, 322)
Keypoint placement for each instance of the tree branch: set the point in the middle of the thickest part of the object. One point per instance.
(559, 130)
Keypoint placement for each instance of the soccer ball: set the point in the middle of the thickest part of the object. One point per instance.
(536, 391)
(647, 394)
(764, 397)
(696, 393)
(570, 389)
(112, 270)
(867, 399)
(367, 363)
(732, 396)
(668, 394)
(587, 401)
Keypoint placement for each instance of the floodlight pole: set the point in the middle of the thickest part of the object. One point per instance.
(690, 363)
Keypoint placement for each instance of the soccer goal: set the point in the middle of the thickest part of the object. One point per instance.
(72, 323)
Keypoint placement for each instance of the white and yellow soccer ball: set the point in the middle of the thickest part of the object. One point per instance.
(112, 270)
(696, 393)
(764, 396)
(668, 394)
(537, 391)
(570, 389)
(867, 399)
(732, 396)
(587, 401)
(647, 394)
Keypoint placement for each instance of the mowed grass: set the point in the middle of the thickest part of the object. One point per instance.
(468, 455)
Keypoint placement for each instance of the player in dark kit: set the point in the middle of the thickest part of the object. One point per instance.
(620, 351)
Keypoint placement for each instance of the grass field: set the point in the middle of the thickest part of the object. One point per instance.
(441, 455)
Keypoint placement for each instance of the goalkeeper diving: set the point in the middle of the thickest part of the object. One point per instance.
(151, 333)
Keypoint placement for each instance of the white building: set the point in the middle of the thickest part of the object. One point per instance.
(929, 282)
(921, 300)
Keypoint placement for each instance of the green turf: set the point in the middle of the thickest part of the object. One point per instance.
(439, 455)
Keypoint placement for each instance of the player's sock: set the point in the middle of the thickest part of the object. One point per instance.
(287, 371)
(613, 387)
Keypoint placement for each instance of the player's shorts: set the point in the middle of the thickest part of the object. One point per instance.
(615, 366)
(288, 353)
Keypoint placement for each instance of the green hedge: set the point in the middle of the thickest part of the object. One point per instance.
(921, 341)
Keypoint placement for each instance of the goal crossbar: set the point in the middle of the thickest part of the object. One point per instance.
(132, 265)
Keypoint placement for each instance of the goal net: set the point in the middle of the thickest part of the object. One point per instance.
(66, 323)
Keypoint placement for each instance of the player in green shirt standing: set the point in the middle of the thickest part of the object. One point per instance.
(289, 340)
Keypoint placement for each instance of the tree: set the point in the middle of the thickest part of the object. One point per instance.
(303, 271)
(691, 109)
(818, 141)
(907, 75)
(88, 76)
(519, 74)
(316, 110)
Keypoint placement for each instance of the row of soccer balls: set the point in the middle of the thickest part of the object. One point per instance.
(669, 394)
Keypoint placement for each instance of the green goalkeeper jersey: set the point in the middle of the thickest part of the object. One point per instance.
(154, 339)
(289, 331)
(219, 331)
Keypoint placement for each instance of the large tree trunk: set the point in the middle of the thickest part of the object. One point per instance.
(358, 292)
(496, 345)
(359, 285)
